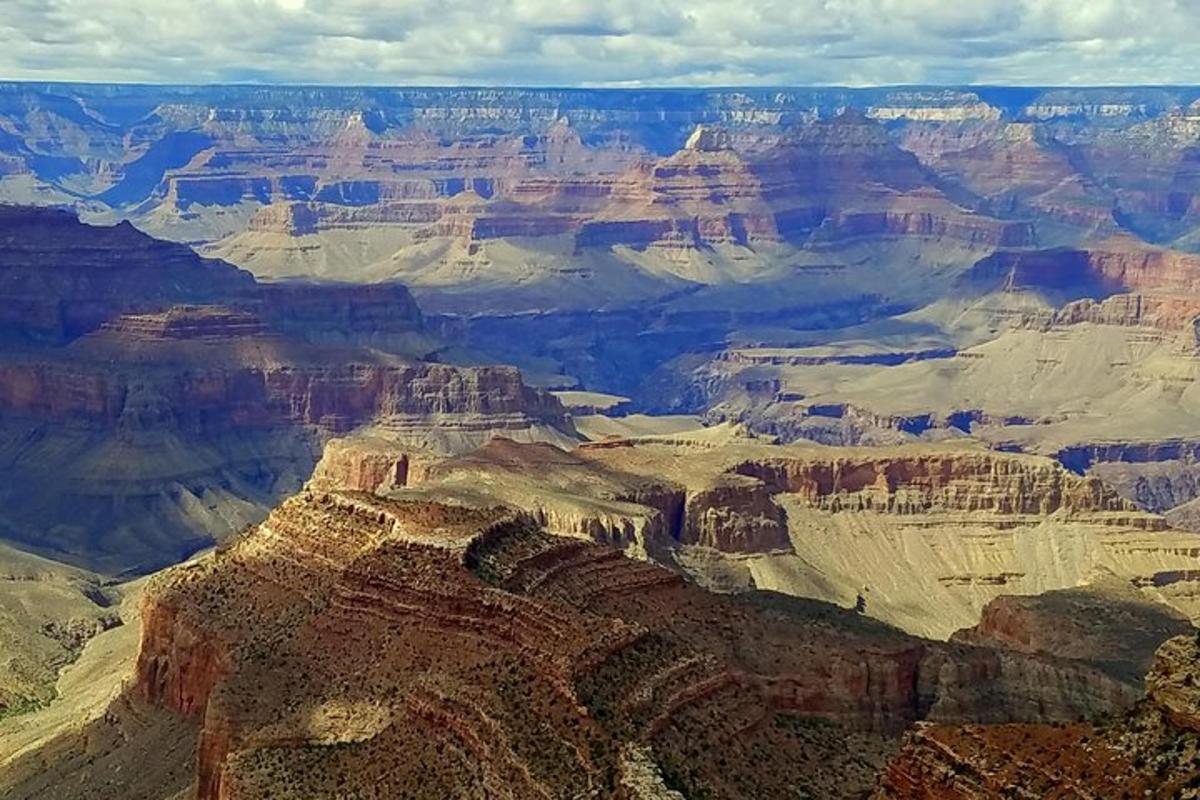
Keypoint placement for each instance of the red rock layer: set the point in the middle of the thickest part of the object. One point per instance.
(1018, 168)
(847, 177)
(983, 481)
(1154, 751)
(1120, 264)
(844, 178)
(1161, 311)
(200, 378)
(432, 650)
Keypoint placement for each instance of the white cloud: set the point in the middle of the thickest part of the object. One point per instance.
(615, 42)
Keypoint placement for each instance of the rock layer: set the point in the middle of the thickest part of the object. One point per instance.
(1151, 752)
(151, 400)
(436, 650)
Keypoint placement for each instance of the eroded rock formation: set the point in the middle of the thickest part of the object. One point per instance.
(151, 400)
(432, 649)
(1151, 752)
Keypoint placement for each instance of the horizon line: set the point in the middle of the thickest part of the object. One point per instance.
(600, 88)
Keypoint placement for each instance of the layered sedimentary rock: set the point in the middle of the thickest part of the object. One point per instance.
(1163, 311)
(207, 418)
(576, 494)
(1114, 265)
(1016, 167)
(368, 463)
(151, 399)
(440, 650)
(950, 481)
(380, 315)
(701, 214)
(62, 278)
(1106, 623)
(854, 182)
(924, 537)
(1151, 752)
(702, 196)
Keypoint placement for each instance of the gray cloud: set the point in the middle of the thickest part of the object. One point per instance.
(614, 42)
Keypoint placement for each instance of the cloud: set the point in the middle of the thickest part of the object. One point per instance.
(609, 42)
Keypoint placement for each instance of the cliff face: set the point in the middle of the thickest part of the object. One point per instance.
(924, 537)
(335, 182)
(442, 645)
(205, 395)
(62, 278)
(1150, 752)
(860, 183)
(1114, 265)
(1106, 624)
(208, 419)
(938, 483)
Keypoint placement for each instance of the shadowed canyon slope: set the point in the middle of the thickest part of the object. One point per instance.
(180, 400)
(1150, 752)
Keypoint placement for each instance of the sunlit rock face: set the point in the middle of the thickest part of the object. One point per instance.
(402, 628)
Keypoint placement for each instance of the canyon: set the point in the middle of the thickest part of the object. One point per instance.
(442, 649)
(636, 443)
(184, 400)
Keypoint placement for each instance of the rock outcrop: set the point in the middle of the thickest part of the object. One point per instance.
(1119, 264)
(1151, 752)
(925, 537)
(1107, 624)
(420, 648)
(62, 278)
(937, 482)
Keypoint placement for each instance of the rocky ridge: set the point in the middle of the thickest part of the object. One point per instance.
(450, 638)
(834, 524)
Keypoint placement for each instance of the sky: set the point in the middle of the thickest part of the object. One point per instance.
(609, 43)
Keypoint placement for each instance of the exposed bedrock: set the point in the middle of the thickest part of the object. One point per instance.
(964, 481)
(1107, 624)
(152, 400)
(61, 278)
(374, 624)
(1117, 264)
(1151, 751)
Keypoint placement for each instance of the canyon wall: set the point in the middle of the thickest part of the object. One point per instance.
(344, 598)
